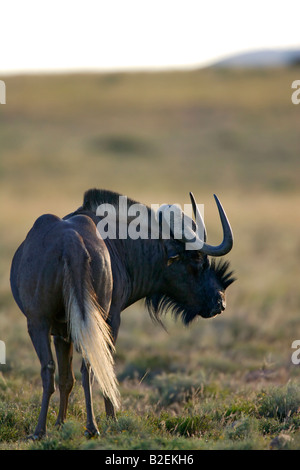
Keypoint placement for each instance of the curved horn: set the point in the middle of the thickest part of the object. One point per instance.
(197, 215)
(219, 250)
(227, 242)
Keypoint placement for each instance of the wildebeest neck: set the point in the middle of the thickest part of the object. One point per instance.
(137, 267)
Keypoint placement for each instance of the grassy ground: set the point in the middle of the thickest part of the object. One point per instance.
(225, 383)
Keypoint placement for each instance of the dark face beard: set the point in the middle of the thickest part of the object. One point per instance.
(159, 304)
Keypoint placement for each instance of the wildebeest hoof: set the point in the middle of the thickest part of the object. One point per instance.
(35, 437)
(91, 433)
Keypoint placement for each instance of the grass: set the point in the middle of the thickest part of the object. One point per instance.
(211, 419)
(226, 383)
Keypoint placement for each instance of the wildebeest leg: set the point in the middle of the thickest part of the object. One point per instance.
(87, 382)
(64, 353)
(40, 337)
(109, 408)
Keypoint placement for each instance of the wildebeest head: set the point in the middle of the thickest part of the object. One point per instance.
(193, 283)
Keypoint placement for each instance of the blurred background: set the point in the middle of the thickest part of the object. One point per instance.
(153, 100)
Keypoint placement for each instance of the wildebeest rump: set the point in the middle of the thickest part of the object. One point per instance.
(73, 285)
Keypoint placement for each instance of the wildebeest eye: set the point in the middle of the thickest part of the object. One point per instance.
(172, 259)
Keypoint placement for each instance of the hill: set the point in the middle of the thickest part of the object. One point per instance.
(262, 58)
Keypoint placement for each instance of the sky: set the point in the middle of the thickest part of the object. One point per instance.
(64, 35)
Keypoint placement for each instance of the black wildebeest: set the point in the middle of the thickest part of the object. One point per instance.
(72, 284)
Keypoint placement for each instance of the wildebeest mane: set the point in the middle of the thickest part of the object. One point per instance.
(159, 304)
(94, 197)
